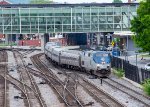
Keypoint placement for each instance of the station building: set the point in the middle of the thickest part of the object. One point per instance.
(79, 24)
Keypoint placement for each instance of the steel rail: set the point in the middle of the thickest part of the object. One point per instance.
(16, 81)
(109, 102)
(143, 95)
(5, 102)
(26, 92)
(14, 84)
(35, 88)
(95, 90)
(63, 85)
(49, 81)
(58, 80)
(31, 80)
(5, 71)
(137, 96)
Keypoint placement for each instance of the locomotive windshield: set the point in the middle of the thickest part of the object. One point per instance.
(99, 57)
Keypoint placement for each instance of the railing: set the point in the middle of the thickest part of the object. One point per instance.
(116, 62)
(145, 74)
(132, 72)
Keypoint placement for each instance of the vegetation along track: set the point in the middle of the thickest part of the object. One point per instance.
(64, 93)
(3, 82)
(134, 94)
(27, 78)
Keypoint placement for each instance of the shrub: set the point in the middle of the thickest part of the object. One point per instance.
(5, 44)
(118, 72)
(146, 86)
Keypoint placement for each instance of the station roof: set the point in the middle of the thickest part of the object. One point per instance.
(68, 5)
(19, 1)
(123, 33)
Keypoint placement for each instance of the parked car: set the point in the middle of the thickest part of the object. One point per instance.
(147, 66)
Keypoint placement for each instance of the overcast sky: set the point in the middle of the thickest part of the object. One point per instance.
(86, 1)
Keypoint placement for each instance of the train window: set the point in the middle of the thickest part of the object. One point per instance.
(89, 54)
(82, 62)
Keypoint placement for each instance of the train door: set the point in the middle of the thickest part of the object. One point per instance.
(86, 61)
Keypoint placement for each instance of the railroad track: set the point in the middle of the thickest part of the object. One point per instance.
(27, 52)
(140, 97)
(67, 83)
(27, 78)
(99, 95)
(15, 82)
(62, 90)
(3, 82)
(71, 84)
(145, 100)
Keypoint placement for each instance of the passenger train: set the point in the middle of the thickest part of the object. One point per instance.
(94, 62)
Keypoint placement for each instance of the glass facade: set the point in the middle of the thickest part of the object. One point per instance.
(77, 19)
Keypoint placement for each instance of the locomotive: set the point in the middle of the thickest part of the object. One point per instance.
(94, 62)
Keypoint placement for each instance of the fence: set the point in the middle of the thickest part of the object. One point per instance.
(116, 62)
(145, 74)
(131, 71)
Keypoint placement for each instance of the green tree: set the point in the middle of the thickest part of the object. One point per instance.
(117, 1)
(141, 26)
(40, 1)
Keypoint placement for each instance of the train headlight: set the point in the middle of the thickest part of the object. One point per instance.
(98, 65)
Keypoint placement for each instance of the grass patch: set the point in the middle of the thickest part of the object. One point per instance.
(146, 86)
(118, 72)
(4, 44)
(145, 55)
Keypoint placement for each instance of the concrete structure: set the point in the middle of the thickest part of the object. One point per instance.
(66, 18)
(95, 20)
(136, 1)
(19, 1)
